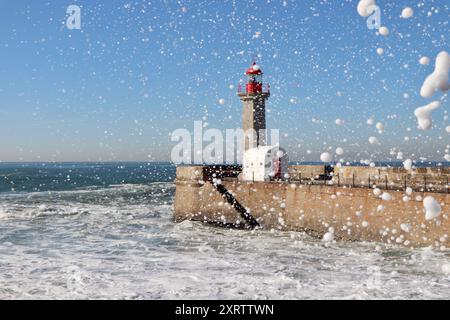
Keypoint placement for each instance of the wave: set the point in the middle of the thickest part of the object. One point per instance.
(137, 252)
(115, 199)
(93, 188)
(119, 242)
(71, 209)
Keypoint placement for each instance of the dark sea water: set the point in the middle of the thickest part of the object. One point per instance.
(34, 177)
(105, 230)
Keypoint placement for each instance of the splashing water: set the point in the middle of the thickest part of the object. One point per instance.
(118, 241)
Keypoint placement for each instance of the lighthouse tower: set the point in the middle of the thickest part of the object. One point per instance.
(260, 162)
(253, 99)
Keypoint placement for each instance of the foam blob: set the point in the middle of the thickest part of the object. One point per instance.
(447, 129)
(424, 61)
(294, 100)
(373, 140)
(379, 126)
(380, 51)
(432, 208)
(438, 80)
(370, 121)
(326, 157)
(409, 191)
(446, 268)
(407, 164)
(423, 115)
(386, 196)
(328, 237)
(384, 31)
(407, 13)
(364, 6)
(406, 227)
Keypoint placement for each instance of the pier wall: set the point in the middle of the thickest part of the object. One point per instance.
(355, 214)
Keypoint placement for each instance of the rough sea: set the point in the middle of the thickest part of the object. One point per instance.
(105, 231)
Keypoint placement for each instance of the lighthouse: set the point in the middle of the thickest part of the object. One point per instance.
(253, 99)
(260, 161)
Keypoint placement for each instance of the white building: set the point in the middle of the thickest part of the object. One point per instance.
(265, 163)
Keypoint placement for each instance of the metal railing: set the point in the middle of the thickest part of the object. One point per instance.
(420, 183)
(438, 183)
(242, 88)
(417, 183)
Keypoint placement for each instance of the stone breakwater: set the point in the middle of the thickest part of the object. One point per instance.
(341, 205)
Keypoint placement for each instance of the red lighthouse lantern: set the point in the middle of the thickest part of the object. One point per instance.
(254, 84)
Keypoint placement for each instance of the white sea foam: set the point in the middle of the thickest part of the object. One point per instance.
(373, 140)
(432, 208)
(424, 61)
(407, 164)
(326, 157)
(384, 31)
(407, 13)
(438, 79)
(423, 115)
(364, 7)
(129, 248)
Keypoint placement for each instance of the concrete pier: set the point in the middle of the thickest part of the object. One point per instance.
(309, 204)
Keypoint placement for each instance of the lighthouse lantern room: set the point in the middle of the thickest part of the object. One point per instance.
(255, 76)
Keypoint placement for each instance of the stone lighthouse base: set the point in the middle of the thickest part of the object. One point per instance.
(315, 204)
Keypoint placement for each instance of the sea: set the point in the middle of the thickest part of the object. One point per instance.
(106, 231)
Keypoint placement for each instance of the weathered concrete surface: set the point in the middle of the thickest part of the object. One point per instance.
(187, 189)
(354, 213)
(427, 178)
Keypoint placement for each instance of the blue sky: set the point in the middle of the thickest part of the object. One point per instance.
(137, 70)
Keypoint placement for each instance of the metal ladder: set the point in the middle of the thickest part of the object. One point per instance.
(235, 204)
